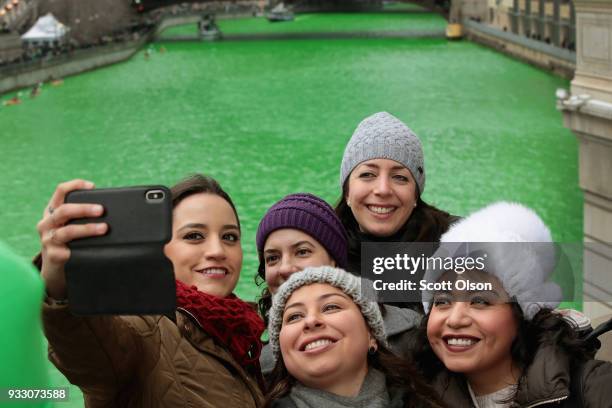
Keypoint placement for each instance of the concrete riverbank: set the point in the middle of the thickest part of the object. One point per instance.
(28, 74)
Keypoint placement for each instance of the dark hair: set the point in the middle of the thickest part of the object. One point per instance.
(199, 183)
(400, 373)
(546, 328)
(264, 303)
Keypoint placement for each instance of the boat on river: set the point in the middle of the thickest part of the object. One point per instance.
(280, 13)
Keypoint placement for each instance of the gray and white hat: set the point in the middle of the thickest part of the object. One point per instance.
(383, 136)
(520, 252)
(338, 278)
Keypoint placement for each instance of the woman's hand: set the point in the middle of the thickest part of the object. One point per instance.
(55, 234)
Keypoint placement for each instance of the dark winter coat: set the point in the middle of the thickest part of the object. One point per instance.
(146, 361)
(546, 383)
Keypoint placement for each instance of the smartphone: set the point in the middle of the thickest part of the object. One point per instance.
(125, 271)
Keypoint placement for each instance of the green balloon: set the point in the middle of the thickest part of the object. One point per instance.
(22, 346)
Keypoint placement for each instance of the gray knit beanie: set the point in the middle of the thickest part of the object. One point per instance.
(383, 136)
(346, 282)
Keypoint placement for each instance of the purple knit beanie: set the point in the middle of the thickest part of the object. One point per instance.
(309, 214)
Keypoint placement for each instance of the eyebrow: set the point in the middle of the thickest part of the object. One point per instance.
(376, 166)
(470, 292)
(322, 297)
(204, 226)
(297, 244)
(493, 292)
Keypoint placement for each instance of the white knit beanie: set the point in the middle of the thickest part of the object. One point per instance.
(338, 278)
(524, 270)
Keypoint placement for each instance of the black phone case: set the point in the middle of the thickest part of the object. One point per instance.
(124, 271)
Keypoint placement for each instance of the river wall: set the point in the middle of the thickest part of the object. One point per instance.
(558, 60)
(24, 75)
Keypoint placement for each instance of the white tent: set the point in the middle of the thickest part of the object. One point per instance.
(46, 29)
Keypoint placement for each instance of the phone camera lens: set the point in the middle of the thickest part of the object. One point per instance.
(155, 196)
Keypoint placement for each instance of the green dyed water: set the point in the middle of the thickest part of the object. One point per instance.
(269, 118)
(313, 23)
(398, 6)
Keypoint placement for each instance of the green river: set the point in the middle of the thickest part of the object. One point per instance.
(269, 118)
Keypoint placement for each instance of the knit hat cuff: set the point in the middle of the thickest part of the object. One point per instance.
(346, 282)
(310, 215)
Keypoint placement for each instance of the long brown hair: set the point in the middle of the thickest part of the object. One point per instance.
(399, 373)
(264, 303)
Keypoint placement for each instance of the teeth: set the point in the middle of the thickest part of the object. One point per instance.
(317, 343)
(460, 342)
(214, 271)
(381, 210)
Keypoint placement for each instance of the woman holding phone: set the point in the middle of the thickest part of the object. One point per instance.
(208, 356)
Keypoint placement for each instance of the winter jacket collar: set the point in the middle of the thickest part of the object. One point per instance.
(398, 320)
(547, 380)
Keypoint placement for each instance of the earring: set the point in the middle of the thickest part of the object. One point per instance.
(348, 203)
(372, 350)
(415, 204)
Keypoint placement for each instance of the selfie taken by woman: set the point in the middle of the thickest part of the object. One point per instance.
(382, 178)
(205, 355)
(506, 345)
(301, 230)
(331, 349)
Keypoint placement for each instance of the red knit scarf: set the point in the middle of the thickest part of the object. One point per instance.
(229, 321)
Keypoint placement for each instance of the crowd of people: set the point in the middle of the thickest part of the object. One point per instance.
(141, 27)
(44, 51)
(329, 344)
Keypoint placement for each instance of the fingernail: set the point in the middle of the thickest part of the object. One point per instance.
(97, 209)
(100, 228)
(89, 184)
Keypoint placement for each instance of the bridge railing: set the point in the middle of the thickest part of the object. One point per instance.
(550, 21)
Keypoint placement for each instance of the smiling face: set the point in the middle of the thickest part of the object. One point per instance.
(287, 251)
(473, 336)
(324, 338)
(381, 194)
(205, 248)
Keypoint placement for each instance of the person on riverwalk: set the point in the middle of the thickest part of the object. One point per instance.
(302, 230)
(15, 100)
(382, 177)
(507, 346)
(330, 345)
(207, 357)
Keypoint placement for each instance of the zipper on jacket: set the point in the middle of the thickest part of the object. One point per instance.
(548, 401)
(187, 312)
